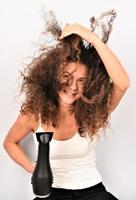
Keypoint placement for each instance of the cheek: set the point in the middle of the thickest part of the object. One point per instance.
(80, 87)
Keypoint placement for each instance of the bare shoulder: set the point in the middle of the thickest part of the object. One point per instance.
(24, 125)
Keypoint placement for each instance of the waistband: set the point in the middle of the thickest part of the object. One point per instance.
(97, 186)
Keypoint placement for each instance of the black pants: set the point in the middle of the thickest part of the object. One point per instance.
(96, 192)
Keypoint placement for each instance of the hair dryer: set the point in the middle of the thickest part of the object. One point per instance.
(42, 177)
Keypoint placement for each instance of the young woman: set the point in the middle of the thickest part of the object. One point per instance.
(71, 90)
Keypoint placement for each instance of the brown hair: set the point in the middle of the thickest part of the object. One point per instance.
(40, 83)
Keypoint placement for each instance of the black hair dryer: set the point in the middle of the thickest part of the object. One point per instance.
(42, 177)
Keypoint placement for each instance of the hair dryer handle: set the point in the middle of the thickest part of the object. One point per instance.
(42, 177)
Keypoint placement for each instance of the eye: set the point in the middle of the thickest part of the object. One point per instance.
(65, 76)
(82, 80)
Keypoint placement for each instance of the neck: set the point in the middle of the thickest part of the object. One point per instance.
(65, 110)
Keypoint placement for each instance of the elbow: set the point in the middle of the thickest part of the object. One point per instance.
(8, 143)
(125, 86)
(5, 144)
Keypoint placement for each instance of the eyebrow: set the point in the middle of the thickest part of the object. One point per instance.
(72, 74)
(83, 77)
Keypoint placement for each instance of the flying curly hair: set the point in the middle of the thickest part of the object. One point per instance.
(41, 78)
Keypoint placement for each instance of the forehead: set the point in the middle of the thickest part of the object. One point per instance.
(77, 69)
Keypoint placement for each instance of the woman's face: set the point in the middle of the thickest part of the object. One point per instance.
(77, 73)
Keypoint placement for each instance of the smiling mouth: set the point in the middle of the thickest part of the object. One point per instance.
(69, 93)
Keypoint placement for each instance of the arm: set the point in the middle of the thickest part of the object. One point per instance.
(112, 64)
(21, 128)
(115, 70)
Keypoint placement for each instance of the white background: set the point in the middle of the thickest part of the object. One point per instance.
(21, 23)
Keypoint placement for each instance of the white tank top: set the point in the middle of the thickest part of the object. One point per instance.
(73, 161)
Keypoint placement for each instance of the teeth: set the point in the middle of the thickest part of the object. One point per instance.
(70, 93)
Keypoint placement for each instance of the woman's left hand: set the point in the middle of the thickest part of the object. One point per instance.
(83, 32)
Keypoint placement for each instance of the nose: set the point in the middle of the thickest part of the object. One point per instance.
(73, 85)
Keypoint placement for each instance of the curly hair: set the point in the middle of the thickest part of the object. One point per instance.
(41, 83)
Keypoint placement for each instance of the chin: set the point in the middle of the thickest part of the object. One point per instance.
(67, 101)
